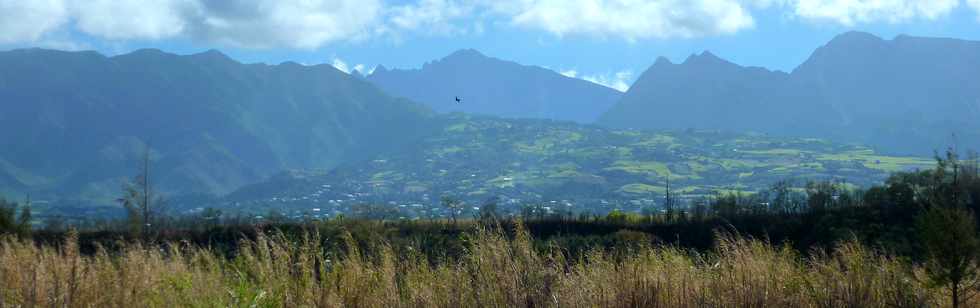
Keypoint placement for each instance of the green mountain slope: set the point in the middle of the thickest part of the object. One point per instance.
(73, 125)
(477, 158)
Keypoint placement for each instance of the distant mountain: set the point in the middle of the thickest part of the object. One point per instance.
(907, 95)
(74, 124)
(491, 86)
(706, 92)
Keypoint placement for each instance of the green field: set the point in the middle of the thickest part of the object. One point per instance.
(481, 157)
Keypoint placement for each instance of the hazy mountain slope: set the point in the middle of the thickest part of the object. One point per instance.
(495, 87)
(906, 95)
(75, 123)
(706, 92)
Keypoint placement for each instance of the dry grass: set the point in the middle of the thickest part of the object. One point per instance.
(497, 271)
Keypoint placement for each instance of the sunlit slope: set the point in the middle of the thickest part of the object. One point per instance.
(476, 157)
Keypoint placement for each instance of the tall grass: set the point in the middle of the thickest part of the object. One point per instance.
(496, 270)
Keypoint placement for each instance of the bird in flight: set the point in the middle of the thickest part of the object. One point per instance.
(458, 100)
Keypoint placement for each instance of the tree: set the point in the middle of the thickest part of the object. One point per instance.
(453, 205)
(140, 201)
(489, 212)
(782, 199)
(10, 222)
(211, 217)
(24, 221)
(950, 239)
(948, 231)
(375, 211)
(668, 202)
(533, 211)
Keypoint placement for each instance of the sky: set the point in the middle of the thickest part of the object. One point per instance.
(605, 41)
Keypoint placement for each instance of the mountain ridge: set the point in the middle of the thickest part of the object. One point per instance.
(211, 123)
(855, 88)
(492, 86)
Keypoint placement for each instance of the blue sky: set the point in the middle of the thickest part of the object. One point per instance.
(609, 41)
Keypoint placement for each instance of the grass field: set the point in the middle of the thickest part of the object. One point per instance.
(497, 270)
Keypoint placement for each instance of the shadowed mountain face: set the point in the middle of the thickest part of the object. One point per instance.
(495, 87)
(77, 123)
(706, 92)
(906, 95)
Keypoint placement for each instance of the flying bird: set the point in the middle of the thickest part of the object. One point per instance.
(458, 100)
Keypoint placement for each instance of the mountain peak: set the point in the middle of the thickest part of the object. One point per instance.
(146, 54)
(661, 60)
(465, 55)
(705, 58)
(854, 37)
(148, 51)
(212, 54)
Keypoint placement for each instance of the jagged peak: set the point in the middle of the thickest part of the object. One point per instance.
(852, 37)
(213, 54)
(706, 57)
(661, 60)
(466, 53)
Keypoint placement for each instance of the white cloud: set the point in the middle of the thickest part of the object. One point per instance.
(241, 23)
(851, 12)
(431, 16)
(620, 80)
(310, 24)
(347, 68)
(28, 21)
(133, 19)
(629, 19)
(340, 65)
(287, 23)
(975, 4)
(313, 23)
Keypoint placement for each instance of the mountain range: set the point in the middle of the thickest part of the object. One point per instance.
(77, 123)
(908, 95)
(491, 86)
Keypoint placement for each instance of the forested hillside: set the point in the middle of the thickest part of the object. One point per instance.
(76, 124)
(569, 167)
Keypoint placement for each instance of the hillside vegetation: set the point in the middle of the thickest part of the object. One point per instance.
(584, 168)
(74, 125)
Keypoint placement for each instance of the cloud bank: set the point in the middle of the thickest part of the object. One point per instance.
(620, 80)
(851, 12)
(310, 24)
